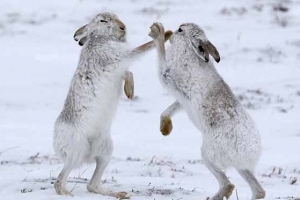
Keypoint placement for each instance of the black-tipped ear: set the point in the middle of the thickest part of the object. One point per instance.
(213, 51)
(80, 33)
(204, 48)
(201, 49)
(82, 41)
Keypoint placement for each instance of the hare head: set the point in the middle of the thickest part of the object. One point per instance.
(104, 24)
(194, 35)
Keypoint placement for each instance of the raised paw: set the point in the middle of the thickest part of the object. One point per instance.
(129, 88)
(157, 31)
(166, 125)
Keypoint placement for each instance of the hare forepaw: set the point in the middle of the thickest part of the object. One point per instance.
(157, 31)
(129, 85)
(166, 125)
(129, 88)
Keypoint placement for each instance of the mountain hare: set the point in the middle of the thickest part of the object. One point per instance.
(230, 138)
(82, 130)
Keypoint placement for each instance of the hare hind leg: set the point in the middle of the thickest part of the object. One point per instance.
(257, 191)
(102, 161)
(226, 187)
(60, 183)
(72, 148)
(95, 184)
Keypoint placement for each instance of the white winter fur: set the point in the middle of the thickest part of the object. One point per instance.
(229, 135)
(90, 106)
(230, 138)
(82, 130)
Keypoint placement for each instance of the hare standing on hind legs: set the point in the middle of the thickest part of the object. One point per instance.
(82, 130)
(230, 138)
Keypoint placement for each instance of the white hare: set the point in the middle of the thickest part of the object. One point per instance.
(82, 130)
(230, 138)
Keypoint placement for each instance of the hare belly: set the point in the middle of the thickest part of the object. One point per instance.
(192, 112)
(103, 109)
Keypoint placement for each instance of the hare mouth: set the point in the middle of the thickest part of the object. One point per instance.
(122, 38)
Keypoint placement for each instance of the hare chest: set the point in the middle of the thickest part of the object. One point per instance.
(102, 105)
(185, 82)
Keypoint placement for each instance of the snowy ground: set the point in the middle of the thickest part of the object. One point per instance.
(259, 45)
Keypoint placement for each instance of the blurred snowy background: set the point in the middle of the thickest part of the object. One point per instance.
(259, 43)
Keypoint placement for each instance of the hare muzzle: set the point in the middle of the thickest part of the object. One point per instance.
(121, 25)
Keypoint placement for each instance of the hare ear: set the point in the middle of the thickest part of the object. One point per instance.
(80, 33)
(201, 49)
(213, 51)
(82, 41)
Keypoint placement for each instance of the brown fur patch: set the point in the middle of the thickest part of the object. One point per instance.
(213, 51)
(121, 24)
(228, 190)
(166, 126)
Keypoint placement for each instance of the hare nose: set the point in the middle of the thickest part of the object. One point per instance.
(121, 25)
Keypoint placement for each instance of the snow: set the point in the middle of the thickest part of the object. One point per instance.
(260, 52)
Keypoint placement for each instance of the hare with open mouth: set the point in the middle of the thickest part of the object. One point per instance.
(82, 130)
(230, 138)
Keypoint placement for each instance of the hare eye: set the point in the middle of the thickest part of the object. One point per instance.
(104, 21)
(179, 30)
